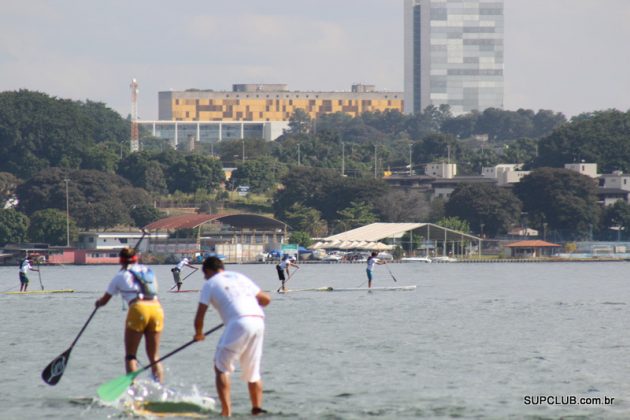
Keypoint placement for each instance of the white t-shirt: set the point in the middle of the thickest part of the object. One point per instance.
(370, 263)
(124, 283)
(181, 264)
(25, 266)
(232, 294)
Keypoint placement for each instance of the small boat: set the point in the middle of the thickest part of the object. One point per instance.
(416, 259)
(39, 292)
(444, 259)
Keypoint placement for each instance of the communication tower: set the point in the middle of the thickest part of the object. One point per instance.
(135, 135)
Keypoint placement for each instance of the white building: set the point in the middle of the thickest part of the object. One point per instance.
(110, 241)
(453, 54)
(441, 170)
(588, 169)
(506, 173)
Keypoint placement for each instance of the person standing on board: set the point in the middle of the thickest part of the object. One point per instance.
(177, 271)
(25, 266)
(283, 267)
(137, 285)
(370, 267)
(239, 302)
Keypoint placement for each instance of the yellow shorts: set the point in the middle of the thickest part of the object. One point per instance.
(145, 315)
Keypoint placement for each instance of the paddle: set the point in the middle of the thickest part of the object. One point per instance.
(112, 390)
(55, 369)
(187, 275)
(53, 372)
(390, 272)
(39, 273)
(287, 280)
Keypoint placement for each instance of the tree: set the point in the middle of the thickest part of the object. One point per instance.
(261, 174)
(306, 219)
(356, 215)
(617, 217)
(435, 147)
(143, 170)
(602, 138)
(301, 238)
(39, 131)
(300, 122)
(325, 191)
(564, 199)
(495, 208)
(95, 198)
(520, 151)
(144, 214)
(399, 206)
(454, 223)
(195, 172)
(13, 226)
(49, 226)
(231, 151)
(8, 185)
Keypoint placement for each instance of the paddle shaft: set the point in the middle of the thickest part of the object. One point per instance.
(39, 274)
(83, 328)
(390, 273)
(187, 275)
(287, 280)
(177, 350)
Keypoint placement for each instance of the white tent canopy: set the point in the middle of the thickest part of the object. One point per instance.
(376, 232)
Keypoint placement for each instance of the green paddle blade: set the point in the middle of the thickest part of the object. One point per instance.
(112, 390)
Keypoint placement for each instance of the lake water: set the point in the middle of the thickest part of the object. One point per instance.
(472, 341)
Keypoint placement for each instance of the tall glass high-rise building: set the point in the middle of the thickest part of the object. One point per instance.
(453, 54)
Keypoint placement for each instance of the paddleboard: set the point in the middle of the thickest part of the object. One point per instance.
(39, 292)
(165, 409)
(354, 289)
(182, 291)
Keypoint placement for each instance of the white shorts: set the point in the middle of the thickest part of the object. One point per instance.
(242, 340)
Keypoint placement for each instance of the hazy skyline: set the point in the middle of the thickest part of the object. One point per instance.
(565, 55)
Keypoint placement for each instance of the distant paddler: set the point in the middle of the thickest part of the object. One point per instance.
(178, 269)
(371, 261)
(283, 267)
(239, 302)
(137, 285)
(25, 266)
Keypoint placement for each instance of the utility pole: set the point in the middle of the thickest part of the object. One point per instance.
(66, 180)
(410, 160)
(343, 159)
(375, 162)
(243, 154)
(299, 154)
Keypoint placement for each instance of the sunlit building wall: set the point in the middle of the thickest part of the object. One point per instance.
(453, 54)
(271, 103)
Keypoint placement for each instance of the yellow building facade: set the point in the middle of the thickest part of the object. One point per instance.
(271, 103)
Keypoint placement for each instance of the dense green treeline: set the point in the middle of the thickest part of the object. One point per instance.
(325, 169)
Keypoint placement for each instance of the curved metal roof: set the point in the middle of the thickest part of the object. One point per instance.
(238, 220)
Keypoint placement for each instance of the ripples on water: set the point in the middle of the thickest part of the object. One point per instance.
(472, 341)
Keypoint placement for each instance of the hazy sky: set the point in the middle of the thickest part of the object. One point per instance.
(566, 55)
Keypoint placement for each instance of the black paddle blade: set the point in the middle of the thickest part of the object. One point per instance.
(53, 372)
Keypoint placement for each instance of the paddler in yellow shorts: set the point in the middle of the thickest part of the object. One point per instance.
(137, 285)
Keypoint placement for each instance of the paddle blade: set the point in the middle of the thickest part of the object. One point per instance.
(53, 372)
(112, 390)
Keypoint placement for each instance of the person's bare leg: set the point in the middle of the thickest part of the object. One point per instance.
(132, 341)
(152, 345)
(255, 393)
(223, 389)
